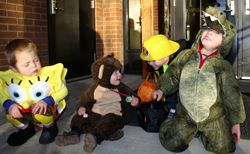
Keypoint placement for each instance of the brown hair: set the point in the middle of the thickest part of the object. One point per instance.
(18, 45)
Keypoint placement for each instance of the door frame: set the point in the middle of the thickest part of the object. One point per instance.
(52, 36)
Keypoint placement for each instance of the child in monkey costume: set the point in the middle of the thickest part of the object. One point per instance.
(104, 107)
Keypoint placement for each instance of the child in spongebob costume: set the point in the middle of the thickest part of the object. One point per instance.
(104, 108)
(25, 91)
(210, 98)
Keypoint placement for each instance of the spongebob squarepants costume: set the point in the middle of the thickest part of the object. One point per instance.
(210, 98)
(48, 85)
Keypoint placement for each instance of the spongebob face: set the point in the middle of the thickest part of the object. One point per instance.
(28, 92)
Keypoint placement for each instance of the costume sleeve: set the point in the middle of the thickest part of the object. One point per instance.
(87, 98)
(125, 89)
(232, 98)
(168, 82)
(60, 93)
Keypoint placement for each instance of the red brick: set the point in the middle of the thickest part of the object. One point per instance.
(8, 34)
(41, 23)
(16, 1)
(4, 41)
(33, 28)
(8, 6)
(25, 21)
(32, 16)
(26, 35)
(3, 13)
(44, 4)
(24, 8)
(33, 3)
(3, 62)
(16, 28)
(39, 10)
(15, 14)
(3, 27)
(41, 35)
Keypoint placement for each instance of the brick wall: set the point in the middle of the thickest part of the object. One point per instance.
(155, 16)
(109, 26)
(24, 19)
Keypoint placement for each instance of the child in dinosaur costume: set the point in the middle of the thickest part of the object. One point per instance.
(210, 98)
(104, 107)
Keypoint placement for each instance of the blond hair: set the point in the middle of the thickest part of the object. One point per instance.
(18, 45)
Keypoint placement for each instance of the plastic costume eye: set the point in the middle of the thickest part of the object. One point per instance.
(16, 92)
(39, 90)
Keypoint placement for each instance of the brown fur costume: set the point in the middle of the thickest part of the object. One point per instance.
(102, 126)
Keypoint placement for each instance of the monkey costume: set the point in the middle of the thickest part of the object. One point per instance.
(105, 105)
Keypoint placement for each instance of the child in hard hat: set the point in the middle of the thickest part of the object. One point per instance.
(210, 97)
(157, 51)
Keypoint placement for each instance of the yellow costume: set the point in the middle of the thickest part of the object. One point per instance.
(27, 90)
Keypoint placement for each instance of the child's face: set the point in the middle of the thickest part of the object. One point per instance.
(156, 64)
(27, 63)
(115, 78)
(211, 39)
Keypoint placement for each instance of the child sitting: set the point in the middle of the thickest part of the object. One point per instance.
(31, 94)
(104, 107)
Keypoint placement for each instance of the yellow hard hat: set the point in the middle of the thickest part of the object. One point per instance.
(158, 47)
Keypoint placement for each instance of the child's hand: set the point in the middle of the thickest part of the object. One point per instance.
(39, 108)
(157, 95)
(81, 111)
(135, 101)
(236, 132)
(14, 111)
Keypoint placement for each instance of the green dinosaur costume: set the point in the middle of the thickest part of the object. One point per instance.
(210, 98)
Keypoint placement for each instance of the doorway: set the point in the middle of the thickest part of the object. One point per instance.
(132, 34)
(238, 12)
(72, 36)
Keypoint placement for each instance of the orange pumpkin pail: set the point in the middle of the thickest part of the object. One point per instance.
(146, 89)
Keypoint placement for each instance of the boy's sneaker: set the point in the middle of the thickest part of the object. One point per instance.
(48, 134)
(117, 135)
(21, 136)
(89, 143)
(67, 138)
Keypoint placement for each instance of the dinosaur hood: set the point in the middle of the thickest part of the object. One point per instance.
(216, 20)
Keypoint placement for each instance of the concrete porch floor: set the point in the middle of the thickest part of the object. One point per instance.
(135, 140)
